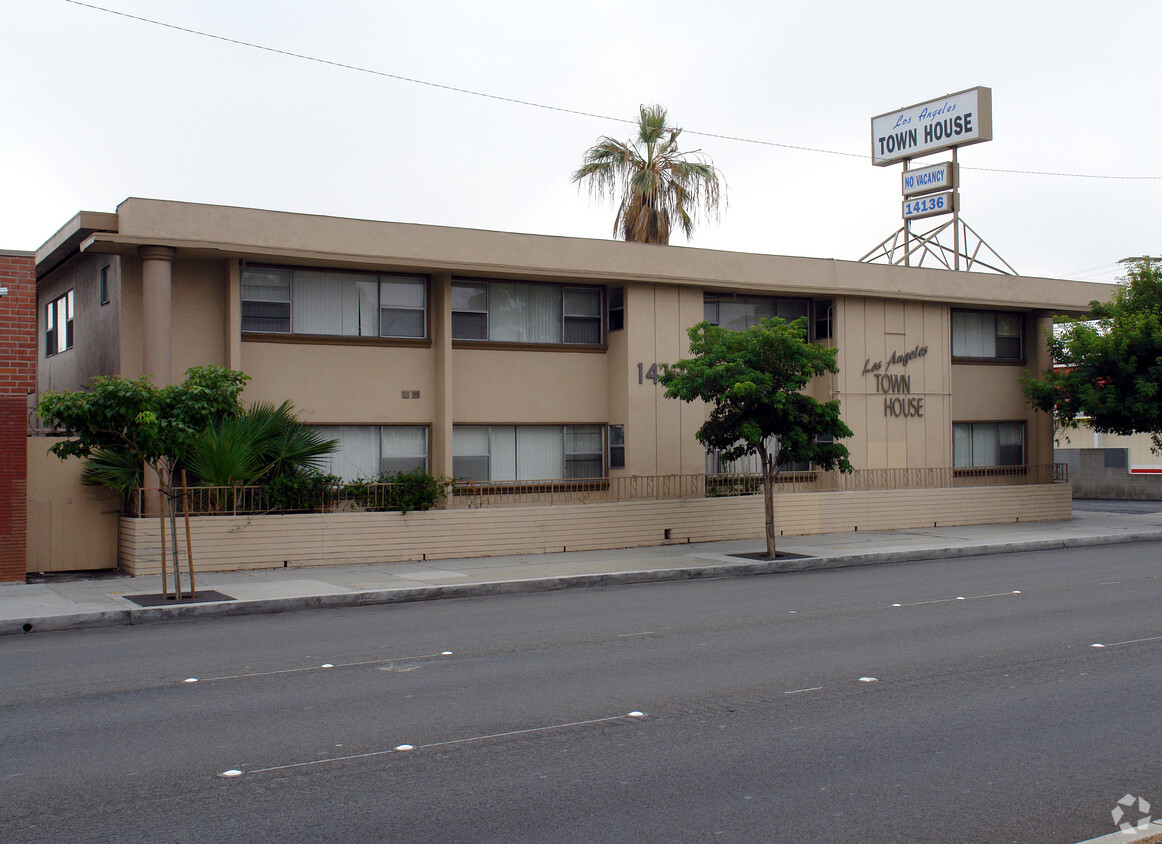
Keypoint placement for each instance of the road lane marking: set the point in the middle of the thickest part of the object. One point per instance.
(324, 666)
(234, 772)
(800, 691)
(643, 633)
(1127, 642)
(958, 598)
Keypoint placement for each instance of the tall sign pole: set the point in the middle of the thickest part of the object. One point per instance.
(924, 129)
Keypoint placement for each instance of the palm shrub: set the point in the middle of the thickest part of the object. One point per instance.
(263, 443)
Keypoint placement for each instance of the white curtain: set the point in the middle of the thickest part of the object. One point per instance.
(358, 452)
(524, 313)
(984, 445)
(974, 334)
(962, 444)
(334, 303)
(539, 454)
(403, 448)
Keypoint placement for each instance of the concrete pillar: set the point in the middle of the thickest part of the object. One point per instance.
(1039, 425)
(156, 312)
(441, 321)
(233, 314)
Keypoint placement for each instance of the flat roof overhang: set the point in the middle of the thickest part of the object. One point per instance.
(258, 236)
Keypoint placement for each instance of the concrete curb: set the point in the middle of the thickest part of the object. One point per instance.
(147, 615)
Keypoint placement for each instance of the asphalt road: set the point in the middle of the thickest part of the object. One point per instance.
(1117, 506)
(991, 718)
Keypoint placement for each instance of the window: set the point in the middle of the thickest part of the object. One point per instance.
(583, 452)
(343, 304)
(824, 311)
(987, 335)
(739, 313)
(483, 453)
(516, 312)
(616, 446)
(750, 464)
(58, 324)
(103, 286)
(366, 451)
(988, 444)
(616, 320)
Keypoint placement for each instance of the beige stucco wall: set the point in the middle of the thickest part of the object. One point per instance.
(225, 543)
(503, 386)
(868, 331)
(984, 392)
(878, 310)
(342, 384)
(71, 526)
(199, 315)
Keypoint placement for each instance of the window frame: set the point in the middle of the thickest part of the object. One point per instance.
(103, 285)
(997, 337)
(615, 309)
(996, 425)
(565, 317)
(378, 278)
(615, 457)
(715, 299)
(58, 324)
(332, 432)
(562, 430)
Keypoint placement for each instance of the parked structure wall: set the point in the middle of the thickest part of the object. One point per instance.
(72, 526)
(1104, 473)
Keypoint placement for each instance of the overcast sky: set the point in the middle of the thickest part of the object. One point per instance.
(99, 107)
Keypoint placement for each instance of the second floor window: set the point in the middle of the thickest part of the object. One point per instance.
(518, 312)
(58, 324)
(987, 335)
(739, 313)
(299, 301)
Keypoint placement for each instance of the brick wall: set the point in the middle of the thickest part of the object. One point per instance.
(17, 378)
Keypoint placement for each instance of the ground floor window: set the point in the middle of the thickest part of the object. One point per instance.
(988, 444)
(366, 451)
(483, 453)
(616, 446)
(750, 464)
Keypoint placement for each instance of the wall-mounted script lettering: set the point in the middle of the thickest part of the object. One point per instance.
(897, 386)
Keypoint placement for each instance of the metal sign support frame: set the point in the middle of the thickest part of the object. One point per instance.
(902, 245)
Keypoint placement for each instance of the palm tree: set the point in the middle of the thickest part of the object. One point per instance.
(263, 443)
(657, 183)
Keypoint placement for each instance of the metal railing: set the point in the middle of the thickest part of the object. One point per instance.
(248, 500)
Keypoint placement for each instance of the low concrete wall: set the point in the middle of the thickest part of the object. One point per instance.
(71, 525)
(1104, 473)
(228, 543)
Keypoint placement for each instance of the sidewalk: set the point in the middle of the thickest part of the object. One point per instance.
(58, 604)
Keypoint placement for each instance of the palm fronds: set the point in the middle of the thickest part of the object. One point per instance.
(658, 185)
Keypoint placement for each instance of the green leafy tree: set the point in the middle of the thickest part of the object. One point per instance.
(130, 421)
(1110, 362)
(656, 185)
(123, 423)
(753, 381)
